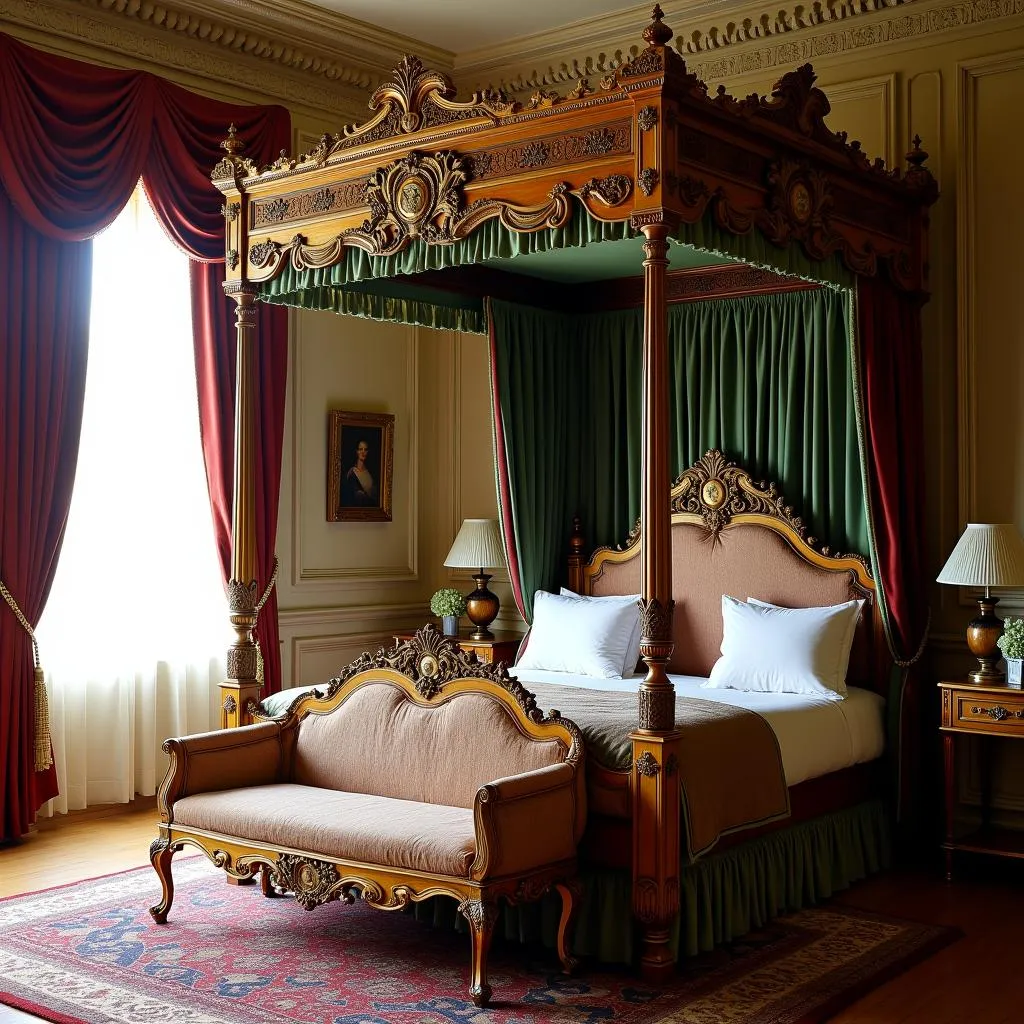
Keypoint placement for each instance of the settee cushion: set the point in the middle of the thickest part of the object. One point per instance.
(349, 826)
(381, 742)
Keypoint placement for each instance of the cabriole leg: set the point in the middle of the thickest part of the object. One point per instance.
(481, 915)
(570, 891)
(160, 854)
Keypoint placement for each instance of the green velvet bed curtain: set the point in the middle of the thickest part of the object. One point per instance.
(766, 379)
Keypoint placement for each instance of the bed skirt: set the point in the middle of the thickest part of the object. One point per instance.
(724, 895)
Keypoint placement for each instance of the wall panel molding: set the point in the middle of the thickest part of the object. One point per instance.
(308, 577)
(971, 190)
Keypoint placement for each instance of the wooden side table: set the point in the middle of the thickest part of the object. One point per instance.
(502, 648)
(970, 709)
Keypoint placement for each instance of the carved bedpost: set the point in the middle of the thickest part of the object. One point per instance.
(576, 556)
(656, 801)
(240, 692)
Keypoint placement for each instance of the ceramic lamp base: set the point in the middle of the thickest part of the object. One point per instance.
(482, 608)
(982, 633)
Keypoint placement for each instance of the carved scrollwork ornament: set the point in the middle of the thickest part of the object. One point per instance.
(647, 765)
(611, 191)
(647, 118)
(230, 705)
(598, 142)
(158, 846)
(231, 259)
(261, 253)
(242, 662)
(274, 211)
(230, 211)
(647, 179)
(252, 707)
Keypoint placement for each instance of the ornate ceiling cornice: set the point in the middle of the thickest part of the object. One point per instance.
(726, 44)
(288, 51)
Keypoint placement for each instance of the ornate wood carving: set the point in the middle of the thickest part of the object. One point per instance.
(551, 150)
(229, 704)
(430, 660)
(314, 882)
(647, 765)
(656, 706)
(233, 167)
(611, 191)
(647, 179)
(647, 118)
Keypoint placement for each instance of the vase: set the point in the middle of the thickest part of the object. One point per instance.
(1013, 673)
(450, 625)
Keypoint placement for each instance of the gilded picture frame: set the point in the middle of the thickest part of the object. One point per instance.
(360, 456)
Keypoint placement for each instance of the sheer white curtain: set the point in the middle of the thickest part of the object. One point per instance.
(135, 631)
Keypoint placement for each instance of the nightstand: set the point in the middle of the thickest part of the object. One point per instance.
(988, 711)
(502, 648)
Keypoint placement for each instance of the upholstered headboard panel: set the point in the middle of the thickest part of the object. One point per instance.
(746, 543)
(743, 561)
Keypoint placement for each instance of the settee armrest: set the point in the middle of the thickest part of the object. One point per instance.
(252, 755)
(526, 821)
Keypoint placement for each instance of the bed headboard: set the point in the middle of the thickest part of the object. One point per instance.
(732, 535)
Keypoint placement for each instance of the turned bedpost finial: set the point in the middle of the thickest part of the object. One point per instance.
(576, 539)
(657, 33)
(917, 156)
(232, 145)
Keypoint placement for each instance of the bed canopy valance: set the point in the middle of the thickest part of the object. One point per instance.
(434, 204)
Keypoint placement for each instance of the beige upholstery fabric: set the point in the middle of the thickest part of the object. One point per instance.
(349, 826)
(746, 561)
(380, 742)
(250, 756)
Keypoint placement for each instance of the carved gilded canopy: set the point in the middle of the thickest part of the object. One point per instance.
(647, 144)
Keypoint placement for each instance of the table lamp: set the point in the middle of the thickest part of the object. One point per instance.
(478, 546)
(987, 555)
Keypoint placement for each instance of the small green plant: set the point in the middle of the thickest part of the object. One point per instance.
(448, 601)
(1011, 643)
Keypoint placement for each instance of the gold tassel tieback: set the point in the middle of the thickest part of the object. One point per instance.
(43, 750)
(259, 607)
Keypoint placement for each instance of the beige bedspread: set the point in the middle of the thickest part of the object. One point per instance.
(730, 770)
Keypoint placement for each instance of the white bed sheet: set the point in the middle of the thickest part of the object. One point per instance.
(816, 736)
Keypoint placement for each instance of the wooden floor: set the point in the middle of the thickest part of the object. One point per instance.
(974, 981)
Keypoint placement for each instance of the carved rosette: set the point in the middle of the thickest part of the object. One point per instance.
(158, 846)
(599, 142)
(647, 765)
(314, 882)
(230, 704)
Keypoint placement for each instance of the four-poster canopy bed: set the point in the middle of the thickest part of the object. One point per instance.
(413, 216)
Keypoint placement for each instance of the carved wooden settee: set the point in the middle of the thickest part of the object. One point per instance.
(420, 773)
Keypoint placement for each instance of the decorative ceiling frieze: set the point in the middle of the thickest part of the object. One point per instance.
(756, 38)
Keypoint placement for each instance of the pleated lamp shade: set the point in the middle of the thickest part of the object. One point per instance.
(478, 546)
(986, 555)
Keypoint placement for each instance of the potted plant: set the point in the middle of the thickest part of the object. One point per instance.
(449, 604)
(1011, 643)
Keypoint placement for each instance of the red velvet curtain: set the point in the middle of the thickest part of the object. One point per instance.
(74, 140)
(892, 384)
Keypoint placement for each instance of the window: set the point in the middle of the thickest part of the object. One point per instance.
(136, 623)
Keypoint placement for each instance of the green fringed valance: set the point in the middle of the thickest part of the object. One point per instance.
(373, 286)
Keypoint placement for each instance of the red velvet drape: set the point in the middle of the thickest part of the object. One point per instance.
(892, 385)
(74, 140)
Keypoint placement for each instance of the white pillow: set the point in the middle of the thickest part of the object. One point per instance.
(585, 637)
(633, 650)
(770, 649)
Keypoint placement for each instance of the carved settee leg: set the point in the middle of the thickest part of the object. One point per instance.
(267, 884)
(570, 891)
(481, 915)
(160, 854)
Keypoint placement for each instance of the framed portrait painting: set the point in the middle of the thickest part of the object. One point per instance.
(360, 449)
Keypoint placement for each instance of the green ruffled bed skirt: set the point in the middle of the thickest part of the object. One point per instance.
(724, 895)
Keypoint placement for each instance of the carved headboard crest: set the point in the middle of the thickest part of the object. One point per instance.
(717, 490)
(430, 660)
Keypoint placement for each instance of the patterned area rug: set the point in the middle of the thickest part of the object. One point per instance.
(90, 952)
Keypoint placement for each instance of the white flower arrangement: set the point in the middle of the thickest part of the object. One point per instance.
(1011, 643)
